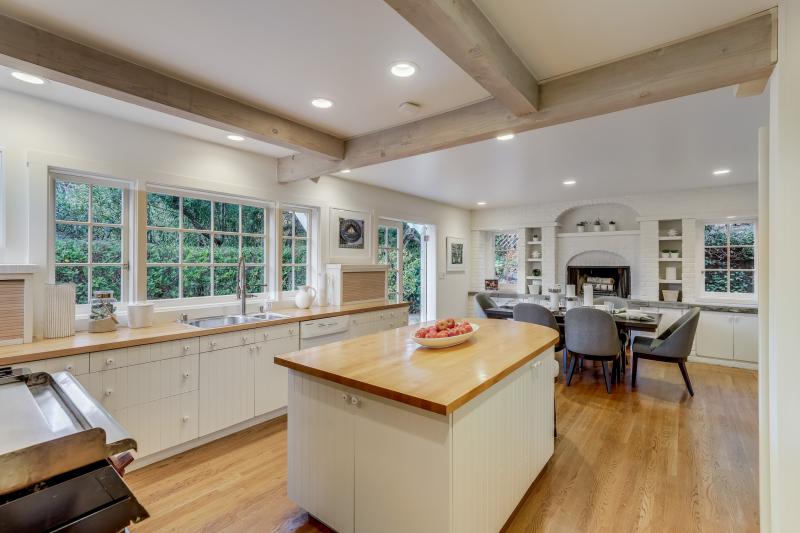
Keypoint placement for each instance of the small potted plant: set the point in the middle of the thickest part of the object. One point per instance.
(598, 226)
(537, 272)
(665, 254)
(581, 226)
(612, 226)
(674, 254)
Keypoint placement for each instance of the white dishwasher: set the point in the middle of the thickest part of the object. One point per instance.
(324, 330)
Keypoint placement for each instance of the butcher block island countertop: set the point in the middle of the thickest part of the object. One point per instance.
(385, 435)
(84, 342)
(391, 365)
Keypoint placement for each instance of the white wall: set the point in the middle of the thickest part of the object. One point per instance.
(36, 134)
(783, 394)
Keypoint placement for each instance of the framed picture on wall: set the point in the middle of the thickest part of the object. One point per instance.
(350, 235)
(456, 262)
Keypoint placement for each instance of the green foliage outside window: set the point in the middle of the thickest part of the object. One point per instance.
(729, 258)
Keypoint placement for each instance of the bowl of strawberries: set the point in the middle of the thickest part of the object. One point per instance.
(445, 333)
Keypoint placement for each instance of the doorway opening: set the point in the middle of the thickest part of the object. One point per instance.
(404, 247)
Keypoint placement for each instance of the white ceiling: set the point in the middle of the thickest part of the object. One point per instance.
(554, 37)
(273, 54)
(664, 146)
(80, 98)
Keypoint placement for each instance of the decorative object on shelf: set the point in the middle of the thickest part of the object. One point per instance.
(59, 302)
(102, 317)
(588, 294)
(455, 254)
(671, 273)
(491, 284)
(672, 232)
(581, 226)
(597, 226)
(350, 235)
(535, 287)
(570, 290)
(572, 302)
(555, 297)
(675, 254)
(536, 254)
(536, 272)
(670, 295)
(536, 237)
(140, 315)
(665, 254)
(305, 296)
(612, 226)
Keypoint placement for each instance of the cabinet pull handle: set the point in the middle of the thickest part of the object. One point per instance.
(266, 335)
(354, 400)
(346, 397)
(110, 361)
(213, 343)
(244, 339)
(186, 348)
(258, 347)
(185, 375)
(68, 368)
(108, 392)
(185, 418)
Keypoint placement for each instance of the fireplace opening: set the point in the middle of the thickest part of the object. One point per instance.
(607, 280)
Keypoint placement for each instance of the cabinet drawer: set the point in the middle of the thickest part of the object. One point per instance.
(223, 341)
(179, 375)
(276, 332)
(161, 424)
(129, 386)
(119, 358)
(170, 349)
(76, 365)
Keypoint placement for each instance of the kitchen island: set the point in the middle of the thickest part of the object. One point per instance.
(388, 436)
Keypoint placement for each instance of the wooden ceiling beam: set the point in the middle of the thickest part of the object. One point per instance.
(460, 30)
(36, 51)
(740, 52)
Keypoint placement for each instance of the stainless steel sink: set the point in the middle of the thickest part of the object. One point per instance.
(232, 320)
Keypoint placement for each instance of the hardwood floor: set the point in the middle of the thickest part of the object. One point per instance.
(653, 459)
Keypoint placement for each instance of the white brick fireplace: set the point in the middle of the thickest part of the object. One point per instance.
(620, 248)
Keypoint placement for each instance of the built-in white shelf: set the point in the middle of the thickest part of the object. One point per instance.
(669, 260)
(599, 233)
(533, 277)
(532, 260)
(534, 242)
(671, 281)
(668, 238)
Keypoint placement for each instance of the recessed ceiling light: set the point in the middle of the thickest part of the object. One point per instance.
(569, 182)
(345, 171)
(505, 137)
(28, 78)
(237, 138)
(322, 103)
(731, 216)
(722, 171)
(403, 69)
(481, 203)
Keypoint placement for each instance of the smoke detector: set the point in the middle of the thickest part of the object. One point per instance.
(409, 108)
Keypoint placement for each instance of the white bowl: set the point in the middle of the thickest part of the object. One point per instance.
(447, 341)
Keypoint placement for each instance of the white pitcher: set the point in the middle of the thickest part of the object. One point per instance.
(305, 295)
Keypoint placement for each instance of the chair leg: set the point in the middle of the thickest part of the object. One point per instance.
(605, 376)
(633, 370)
(571, 369)
(564, 364)
(682, 365)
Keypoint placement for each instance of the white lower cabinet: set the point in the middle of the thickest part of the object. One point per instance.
(271, 381)
(226, 387)
(162, 423)
(745, 338)
(731, 336)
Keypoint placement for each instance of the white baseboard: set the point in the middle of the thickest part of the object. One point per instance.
(723, 362)
(141, 462)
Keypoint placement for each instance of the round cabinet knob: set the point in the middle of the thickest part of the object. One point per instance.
(108, 392)
(291, 331)
(244, 339)
(186, 348)
(69, 368)
(345, 397)
(185, 419)
(258, 347)
(110, 361)
(213, 343)
(186, 375)
(355, 401)
(266, 335)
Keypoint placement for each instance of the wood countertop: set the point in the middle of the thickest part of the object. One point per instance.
(84, 342)
(390, 364)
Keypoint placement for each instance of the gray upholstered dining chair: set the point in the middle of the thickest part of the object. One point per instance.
(592, 334)
(538, 314)
(673, 346)
(485, 302)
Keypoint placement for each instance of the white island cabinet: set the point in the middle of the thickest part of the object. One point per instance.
(420, 454)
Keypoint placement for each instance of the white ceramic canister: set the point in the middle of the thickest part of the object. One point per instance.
(140, 315)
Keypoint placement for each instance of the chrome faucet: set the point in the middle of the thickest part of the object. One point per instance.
(241, 284)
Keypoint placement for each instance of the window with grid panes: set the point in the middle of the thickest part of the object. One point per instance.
(194, 243)
(295, 232)
(90, 236)
(729, 259)
(390, 253)
(506, 263)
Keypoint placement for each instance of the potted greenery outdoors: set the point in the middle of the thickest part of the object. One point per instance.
(597, 225)
(612, 226)
(581, 226)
